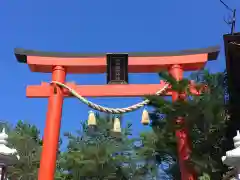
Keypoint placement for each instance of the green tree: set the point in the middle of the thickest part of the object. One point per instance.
(100, 154)
(205, 117)
(25, 138)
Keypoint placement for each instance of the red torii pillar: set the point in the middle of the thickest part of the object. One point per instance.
(182, 136)
(61, 63)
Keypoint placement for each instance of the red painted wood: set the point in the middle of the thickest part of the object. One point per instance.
(113, 90)
(91, 65)
(182, 136)
(52, 127)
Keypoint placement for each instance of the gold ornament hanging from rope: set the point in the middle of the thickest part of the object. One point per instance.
(91, 119)
(145, 118)
(117, 125)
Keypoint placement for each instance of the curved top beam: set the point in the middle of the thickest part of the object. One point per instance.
(138, 62)
(22, 54)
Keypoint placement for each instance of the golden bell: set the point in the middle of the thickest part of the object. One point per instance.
(91, 119)
(145, 118)
(116, 125)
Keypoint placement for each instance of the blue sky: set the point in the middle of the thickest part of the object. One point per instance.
(91, 26)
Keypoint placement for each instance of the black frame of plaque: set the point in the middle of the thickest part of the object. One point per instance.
(122, 68)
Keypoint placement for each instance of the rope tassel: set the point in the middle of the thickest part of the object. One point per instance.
(117, 125)
(91, 119)
(145, 118)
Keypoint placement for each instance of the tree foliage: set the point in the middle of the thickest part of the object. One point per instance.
(99, 154)
(25, 138)
(205, 118)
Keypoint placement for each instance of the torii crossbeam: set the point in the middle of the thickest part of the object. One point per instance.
(59, 64)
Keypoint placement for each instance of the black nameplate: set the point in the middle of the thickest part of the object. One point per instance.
(117, 68)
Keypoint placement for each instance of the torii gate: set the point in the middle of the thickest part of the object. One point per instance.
(59, 64)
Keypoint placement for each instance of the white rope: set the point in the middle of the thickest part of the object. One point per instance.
(106, 109)
(235, 43)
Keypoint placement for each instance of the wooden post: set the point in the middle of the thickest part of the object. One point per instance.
(176, 71)
(52, 128)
